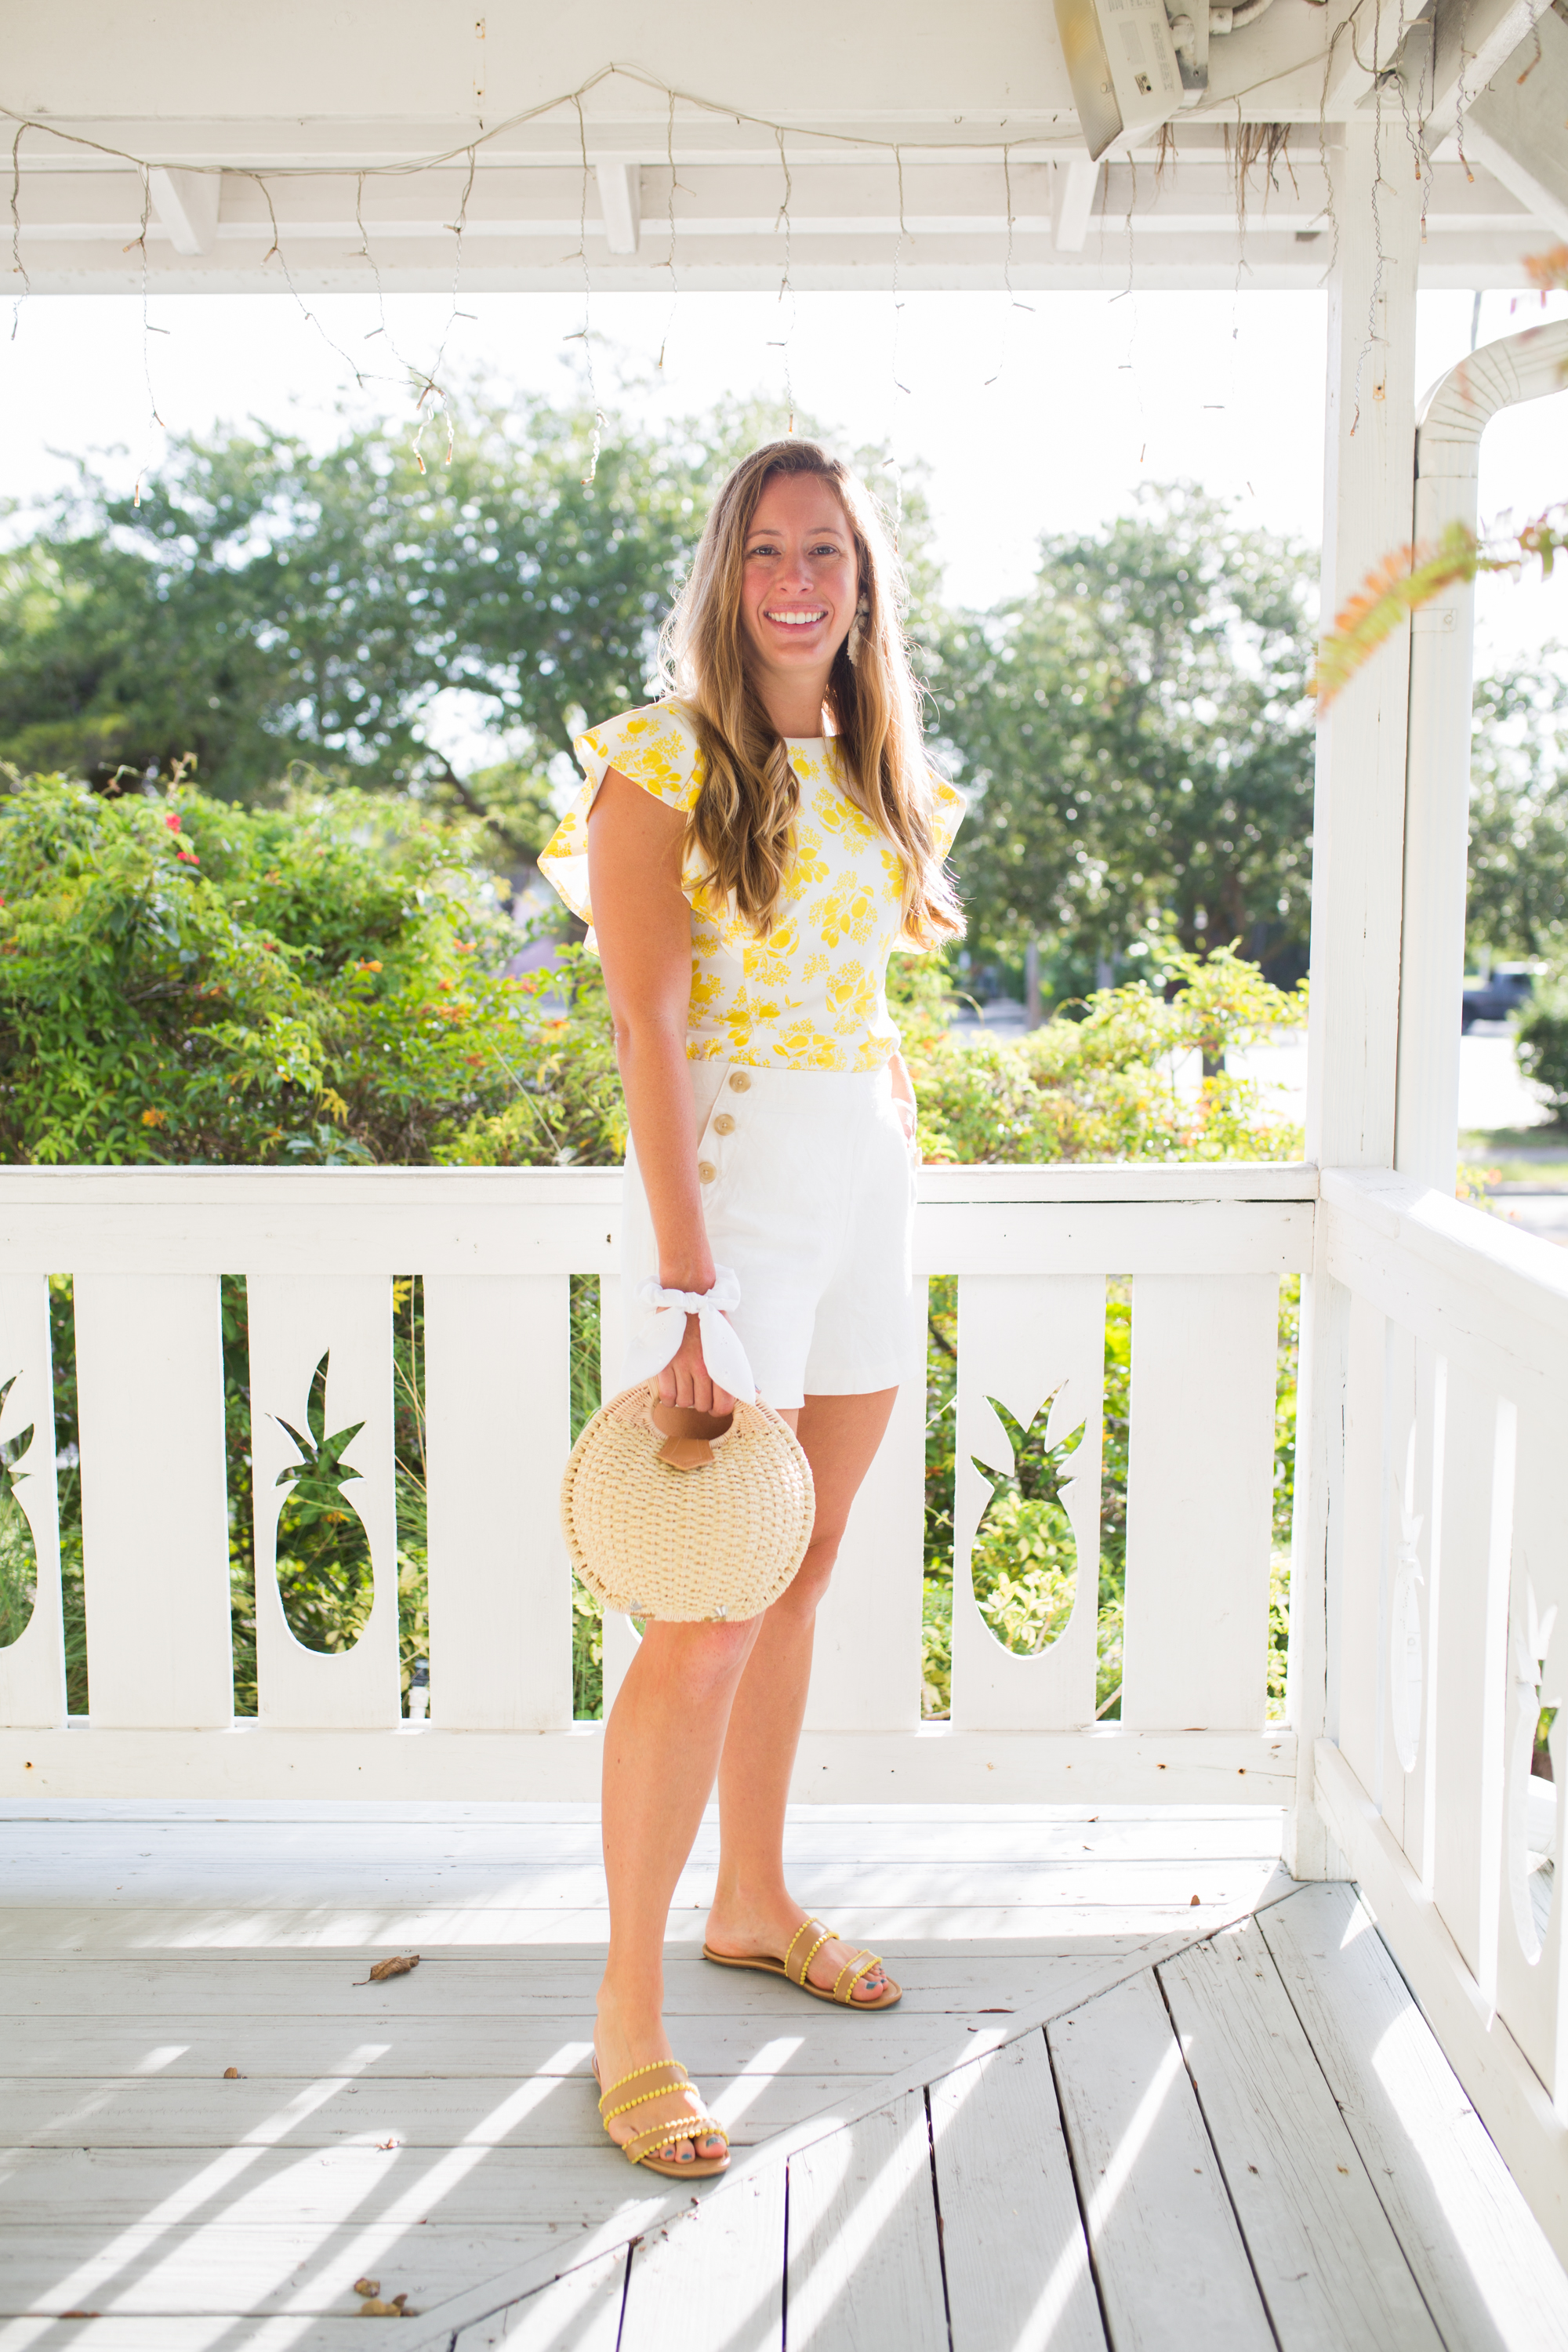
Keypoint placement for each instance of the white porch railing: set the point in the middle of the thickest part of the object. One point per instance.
(1447, 1575)
(1205, 1246)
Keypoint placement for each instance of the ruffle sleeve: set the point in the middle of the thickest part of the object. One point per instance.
(655, 748)
(946, 816)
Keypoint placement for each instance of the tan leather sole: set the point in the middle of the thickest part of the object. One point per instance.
(890, 1994)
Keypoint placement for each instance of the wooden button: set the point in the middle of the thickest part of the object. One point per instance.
(740, 1081)
(706, 1170)
(723, 1124)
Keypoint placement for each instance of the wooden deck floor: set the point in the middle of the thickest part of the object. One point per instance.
(1142, 2093)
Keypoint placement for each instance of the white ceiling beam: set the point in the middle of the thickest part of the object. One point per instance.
(186, 203)
(1073, 184)
(1517, 125)
(620, 202)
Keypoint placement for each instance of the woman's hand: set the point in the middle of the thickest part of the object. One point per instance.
(687, 1381)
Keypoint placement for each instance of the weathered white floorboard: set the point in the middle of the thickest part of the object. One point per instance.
(42, 1932)
(565, 2190)
(825, 1834)
(1331, 2268)
(1173, 2270)
(476, 2047)
(1080, 1883)
(548, 2112)
(579, 2313)
(208, 1984)
(863, 2268)
(222, 2265)
(713, 2280)
(1016, 2259)
(1481, 2258)
(131, 2332)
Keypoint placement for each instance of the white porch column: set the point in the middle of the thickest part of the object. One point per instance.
(1357, 858)
(1437, 822)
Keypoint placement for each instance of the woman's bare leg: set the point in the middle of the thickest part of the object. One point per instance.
(661, 1750)
(753, 1911)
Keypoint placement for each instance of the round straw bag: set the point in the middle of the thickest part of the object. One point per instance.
(686, 1528)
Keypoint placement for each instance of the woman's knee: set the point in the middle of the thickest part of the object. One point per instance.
(701, 1656)
(809, 1588)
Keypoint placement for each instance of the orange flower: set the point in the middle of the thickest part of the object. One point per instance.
(155, 1118)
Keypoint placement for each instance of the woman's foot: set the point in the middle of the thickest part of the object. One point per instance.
(616, 2055)
(748, 1936)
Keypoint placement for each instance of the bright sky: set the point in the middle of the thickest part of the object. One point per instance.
(1043, 418)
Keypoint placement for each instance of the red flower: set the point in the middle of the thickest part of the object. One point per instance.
(173, 822)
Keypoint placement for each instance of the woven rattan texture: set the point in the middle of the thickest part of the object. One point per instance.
(720, 1542)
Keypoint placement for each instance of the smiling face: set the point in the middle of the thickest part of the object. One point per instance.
(798, 590)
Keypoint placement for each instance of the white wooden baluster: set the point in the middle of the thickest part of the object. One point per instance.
(295, 1321)
(1404, 1525)
(1199, 1500)
(620, 1639)
(1019, 1337)
(1532, 1976)
(1358, 1704)
(497, 1352)
(865, 1671)
(1465, 1742)
(1431, 1438)
(33, 1667)
(154, 1500)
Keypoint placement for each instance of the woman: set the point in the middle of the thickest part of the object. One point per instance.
(748, 874)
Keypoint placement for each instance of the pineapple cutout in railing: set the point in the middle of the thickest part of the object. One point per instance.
(1023, 1562)
(18, 1555)
(324, 1577)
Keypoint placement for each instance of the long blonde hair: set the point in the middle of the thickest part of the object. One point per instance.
(742, 821)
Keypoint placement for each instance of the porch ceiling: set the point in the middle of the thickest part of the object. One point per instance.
(894, 139)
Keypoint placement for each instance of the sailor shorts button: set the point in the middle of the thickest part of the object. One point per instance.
(723, 1124)
(740, 1081)
(706, 1170)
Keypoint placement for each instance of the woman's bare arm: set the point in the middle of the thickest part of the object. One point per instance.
(643, 923)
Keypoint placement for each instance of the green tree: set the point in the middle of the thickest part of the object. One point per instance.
(1137, 741)
(1518, 902)
(265, 601)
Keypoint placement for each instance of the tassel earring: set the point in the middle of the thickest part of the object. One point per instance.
(852, 642)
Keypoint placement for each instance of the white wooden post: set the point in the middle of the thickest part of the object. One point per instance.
(1455, 414)
(33, 1668)
(154, 1499)
(1358, 854)
(497, 1440)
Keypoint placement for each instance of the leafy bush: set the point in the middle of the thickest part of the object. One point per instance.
(321, 982)
(1107, 1085)
(1542, 1045)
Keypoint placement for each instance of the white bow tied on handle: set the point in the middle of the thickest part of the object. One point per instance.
(722, 1349)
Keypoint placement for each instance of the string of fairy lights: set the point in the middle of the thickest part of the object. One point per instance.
(432, 404)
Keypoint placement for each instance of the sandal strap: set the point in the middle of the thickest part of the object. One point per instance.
(659, 2091)
(661, 2136)
(804, 1929)
(826, 1937)
(859, 1965)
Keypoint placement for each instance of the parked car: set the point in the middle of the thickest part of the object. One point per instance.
(1498, 998)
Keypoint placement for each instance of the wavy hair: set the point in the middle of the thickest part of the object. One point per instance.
(742, 821)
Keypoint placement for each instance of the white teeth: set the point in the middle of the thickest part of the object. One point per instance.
(796, 620)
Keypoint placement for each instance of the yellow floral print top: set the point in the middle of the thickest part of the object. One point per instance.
(810, 996)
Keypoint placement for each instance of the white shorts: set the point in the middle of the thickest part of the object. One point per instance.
(811, 1201)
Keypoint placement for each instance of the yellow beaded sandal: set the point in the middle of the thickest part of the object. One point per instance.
(841, 1990)
(646, 2147)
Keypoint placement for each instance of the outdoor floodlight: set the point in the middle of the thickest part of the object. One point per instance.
(1122, 62)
